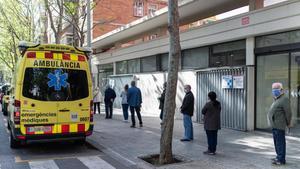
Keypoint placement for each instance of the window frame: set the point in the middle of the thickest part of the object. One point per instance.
(138, 8)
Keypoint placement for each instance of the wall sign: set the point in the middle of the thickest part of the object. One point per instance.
(246, 20)
(227, 82)
(238, 82)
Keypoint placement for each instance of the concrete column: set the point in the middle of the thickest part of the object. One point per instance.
(115, 68)
(250, 57)
(255, 4)
(250, 62)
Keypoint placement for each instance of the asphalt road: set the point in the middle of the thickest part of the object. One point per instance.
(59, 155)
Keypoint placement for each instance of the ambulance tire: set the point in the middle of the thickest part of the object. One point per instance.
(14, 144)
(8, 126)
(80, 142)
(4, 111)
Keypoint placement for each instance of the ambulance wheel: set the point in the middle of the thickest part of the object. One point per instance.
(4, 112)
(13, 142)
(80, 141)
(8, 126)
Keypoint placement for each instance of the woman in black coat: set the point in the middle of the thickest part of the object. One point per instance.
(212, 124)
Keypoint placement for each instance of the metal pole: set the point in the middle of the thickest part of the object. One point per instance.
(89, 37)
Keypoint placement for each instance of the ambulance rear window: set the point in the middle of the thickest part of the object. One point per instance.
(48, 84)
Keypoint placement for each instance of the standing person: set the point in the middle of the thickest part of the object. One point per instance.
(134, 97)
(279, 117)
(97, 99)
(109, 98)
(212, 122)
(125, 103)
(187, 109)
(162, 101)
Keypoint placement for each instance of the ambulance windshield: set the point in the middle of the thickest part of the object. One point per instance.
(48, 84)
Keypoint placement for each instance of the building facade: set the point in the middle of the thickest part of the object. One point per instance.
(111, 14)
(239, 58)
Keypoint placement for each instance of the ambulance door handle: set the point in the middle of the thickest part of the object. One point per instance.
(64, 110)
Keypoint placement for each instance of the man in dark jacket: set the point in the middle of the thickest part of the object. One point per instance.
(279, 117)
(109, 98)
(187, 109)
(162, 101)
(134, 99)
(212, 122)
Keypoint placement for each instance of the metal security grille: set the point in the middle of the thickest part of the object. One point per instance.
(233, 100)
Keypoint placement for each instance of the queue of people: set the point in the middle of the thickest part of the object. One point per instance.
(131, 99)
(279, 115)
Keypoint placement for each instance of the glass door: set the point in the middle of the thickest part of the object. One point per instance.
(284, 68)
(270, 69)
(295, 92)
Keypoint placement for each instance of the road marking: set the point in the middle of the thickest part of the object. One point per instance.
(49, 164)
(95, 162)
(19, 159)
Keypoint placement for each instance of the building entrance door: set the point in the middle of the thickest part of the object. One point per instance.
(284, 68)
(295, 92)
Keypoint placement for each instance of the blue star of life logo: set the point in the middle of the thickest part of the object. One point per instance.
(57, 80)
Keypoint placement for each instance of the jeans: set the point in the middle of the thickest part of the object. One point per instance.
(138, 113)
(188, 127)
(97, 105)
(125, 111)
(279, 143)
(212, 139)
(108, 111)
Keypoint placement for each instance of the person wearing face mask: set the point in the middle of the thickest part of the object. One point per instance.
(187, 109)
(279, 117)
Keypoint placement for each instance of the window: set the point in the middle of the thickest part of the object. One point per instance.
(148, 64)
(151, 9)
(278, 39)
(228, 54)
(153, 36)
(138, 8)
(164, 61)
(35, 85)
(69, 40)
(195, 58)
(121, 67)
(134, 66)
(105, 70)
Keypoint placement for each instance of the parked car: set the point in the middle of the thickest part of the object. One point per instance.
(5, 98)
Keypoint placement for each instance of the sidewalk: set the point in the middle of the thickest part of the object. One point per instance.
(236, 149)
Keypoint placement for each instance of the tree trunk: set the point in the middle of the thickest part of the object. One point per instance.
(166, 155)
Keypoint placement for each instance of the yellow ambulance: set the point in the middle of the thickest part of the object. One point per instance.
(52, 96)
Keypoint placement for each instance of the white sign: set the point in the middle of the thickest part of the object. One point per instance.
(238, 82)
(227, 82)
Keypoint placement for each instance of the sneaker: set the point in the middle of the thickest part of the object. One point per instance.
(132, 126)
(273, 159)
(141, 125)
(277, 162)
(184, 139)
(207, 152)
(125, 121)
